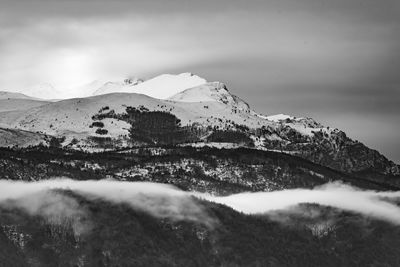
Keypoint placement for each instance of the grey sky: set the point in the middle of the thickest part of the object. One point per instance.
(335, 60)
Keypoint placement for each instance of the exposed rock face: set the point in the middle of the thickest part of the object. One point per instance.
(328, 147)
(133, 80)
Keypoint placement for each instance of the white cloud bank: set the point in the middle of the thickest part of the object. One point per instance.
(159, 200)
(165, 201)
(379, 205)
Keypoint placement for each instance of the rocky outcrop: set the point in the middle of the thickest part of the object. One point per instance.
(328, 147)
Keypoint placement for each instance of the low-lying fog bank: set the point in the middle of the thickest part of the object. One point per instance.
(165, 201)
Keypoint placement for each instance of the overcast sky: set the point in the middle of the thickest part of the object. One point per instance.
(337, 61)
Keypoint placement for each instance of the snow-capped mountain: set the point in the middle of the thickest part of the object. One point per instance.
(43, 91)
(87, 90)
(114, 87)
(210, 92)
(160, 87)
(193, 112)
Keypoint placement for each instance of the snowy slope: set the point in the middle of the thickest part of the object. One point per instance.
(278, 117)
(74, 116)
(213, 91)
(12, 101)
(160, 87)
(202, 93)
(14, 95)
(19, 104)
(112, 87)
(87, 90)
(42, 91)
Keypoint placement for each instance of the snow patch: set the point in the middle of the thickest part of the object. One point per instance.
(277, 117)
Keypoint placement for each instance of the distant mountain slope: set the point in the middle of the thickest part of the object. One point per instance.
(12, 104)
(42, 91)
(14, 95)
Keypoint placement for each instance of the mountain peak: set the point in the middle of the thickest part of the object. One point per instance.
(161, 87)
(42, 91)
(203, 93)
(133, 81)
(211, 92)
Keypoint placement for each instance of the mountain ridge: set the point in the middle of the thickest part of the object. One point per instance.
(207, 113)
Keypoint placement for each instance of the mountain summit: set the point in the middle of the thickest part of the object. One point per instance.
(212, 91)
(160, 87)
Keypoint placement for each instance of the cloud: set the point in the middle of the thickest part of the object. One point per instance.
(52, 206)
(42, 198)
(165, 201)
(379, 205)
(68, 53)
